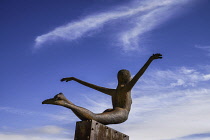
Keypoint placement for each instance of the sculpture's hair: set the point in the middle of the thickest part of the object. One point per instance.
(124, 75)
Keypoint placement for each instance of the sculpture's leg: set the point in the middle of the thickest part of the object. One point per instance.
(81, 113)
(109, 116)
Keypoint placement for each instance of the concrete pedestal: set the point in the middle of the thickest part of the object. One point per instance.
(92, 130)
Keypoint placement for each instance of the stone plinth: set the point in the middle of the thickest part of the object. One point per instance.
(92, 130)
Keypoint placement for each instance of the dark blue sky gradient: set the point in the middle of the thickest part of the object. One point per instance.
(29, 75)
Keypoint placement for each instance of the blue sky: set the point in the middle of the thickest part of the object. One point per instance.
(44, 41)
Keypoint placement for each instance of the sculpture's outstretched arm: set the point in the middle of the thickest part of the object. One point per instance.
(130, 85)
(98, 88)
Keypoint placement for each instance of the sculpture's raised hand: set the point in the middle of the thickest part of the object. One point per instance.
(67, 79)
(156, 56)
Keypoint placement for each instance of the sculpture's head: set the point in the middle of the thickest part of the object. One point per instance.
(123, 76)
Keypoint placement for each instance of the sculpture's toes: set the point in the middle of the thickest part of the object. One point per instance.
(58, 99)
(53, 102)
(49, 101)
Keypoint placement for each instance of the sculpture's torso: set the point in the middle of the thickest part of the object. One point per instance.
(122, 99)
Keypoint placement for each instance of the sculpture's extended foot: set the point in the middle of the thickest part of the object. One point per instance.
(58, 99)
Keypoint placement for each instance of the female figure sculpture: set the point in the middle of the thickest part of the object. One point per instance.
(121, 97)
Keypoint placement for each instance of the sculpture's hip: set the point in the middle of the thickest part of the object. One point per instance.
(115, 116)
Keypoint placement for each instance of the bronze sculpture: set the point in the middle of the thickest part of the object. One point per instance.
(121, 97)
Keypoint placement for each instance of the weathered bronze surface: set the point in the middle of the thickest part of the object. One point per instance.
(92, 130)
(121, 97)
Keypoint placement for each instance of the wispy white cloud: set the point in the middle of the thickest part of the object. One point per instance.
(16, 111)
(48, 129)
(178, 77)
(205, 48)
(58, 116)
(160, 12)
(27, 137)
(143, 16)
(46, 132)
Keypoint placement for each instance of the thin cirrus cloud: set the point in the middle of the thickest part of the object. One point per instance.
(204, 48)
(182, 77)
(47, 132)
(63, 115)
(27, 137)
(143, 16)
